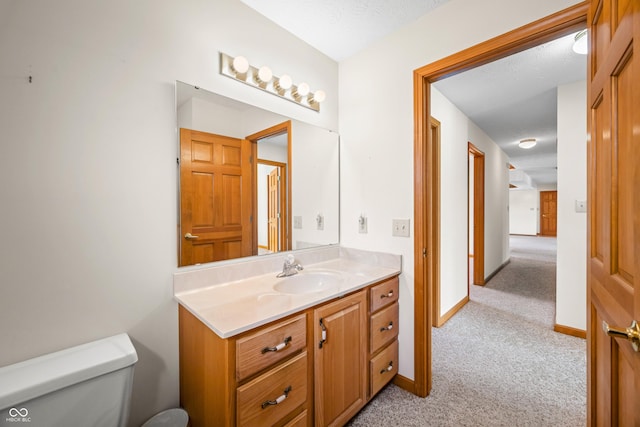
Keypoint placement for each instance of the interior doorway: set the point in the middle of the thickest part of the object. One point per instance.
(476, 215)
(546, 29)
(549, 213)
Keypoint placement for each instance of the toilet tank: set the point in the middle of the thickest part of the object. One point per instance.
(85, 386)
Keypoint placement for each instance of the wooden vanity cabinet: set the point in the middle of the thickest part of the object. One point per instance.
(317, 367)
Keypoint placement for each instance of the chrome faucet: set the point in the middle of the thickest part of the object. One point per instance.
(290, 267)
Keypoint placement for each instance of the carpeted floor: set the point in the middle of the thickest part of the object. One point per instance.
(497, 362)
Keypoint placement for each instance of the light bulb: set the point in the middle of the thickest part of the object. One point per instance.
(264, 74)
(303, 89)
(240, 64)
(318, 96)
(284, 82)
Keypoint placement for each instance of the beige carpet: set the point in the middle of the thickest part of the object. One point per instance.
(498, 362)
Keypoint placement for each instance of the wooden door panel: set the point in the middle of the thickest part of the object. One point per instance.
(622, 259)
(614, 222)
(548, 213)
(216, 199)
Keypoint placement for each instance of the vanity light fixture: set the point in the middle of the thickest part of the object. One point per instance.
(238, 68)
(527, 143)
(580, 43)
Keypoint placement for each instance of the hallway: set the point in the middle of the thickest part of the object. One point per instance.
(498, 362)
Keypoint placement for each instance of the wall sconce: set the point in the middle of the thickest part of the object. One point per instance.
(238, 68)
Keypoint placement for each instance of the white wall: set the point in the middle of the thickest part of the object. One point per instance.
(88, 165)
(571, 281)
(523, 212)
(376, 126)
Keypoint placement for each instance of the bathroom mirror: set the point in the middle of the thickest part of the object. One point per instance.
(251, 182)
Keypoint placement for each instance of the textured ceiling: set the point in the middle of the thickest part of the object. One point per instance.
(516, 97)
(341, 28)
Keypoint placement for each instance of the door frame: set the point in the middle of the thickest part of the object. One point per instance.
(478, 214)
(426, 252)
(254, 138)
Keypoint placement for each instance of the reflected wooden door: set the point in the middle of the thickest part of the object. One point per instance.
(273, 205)
(548, 213)
(614, 206)
(216, 200)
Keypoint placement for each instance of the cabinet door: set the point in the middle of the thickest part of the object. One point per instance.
(340, 334)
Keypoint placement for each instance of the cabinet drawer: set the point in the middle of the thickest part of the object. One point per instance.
(299, 421)
(384, 327)
(285, 384)
(268, 346)
(384, 294)
(383, 367)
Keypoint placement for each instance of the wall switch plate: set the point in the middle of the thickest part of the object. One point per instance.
(581, 205)
(362, 224)
(297, 222)
(320, 222)
(400, 228)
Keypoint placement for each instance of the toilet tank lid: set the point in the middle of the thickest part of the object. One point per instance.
(44, 374)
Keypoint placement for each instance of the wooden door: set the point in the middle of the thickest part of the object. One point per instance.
(273, 208)
(548, 213)
(216, 202)
(614, 206)
(478, 214)
(341, 360)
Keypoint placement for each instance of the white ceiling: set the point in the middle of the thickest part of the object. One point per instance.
(341, 28)
(510, 99)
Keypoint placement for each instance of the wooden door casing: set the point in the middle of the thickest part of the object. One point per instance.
(614, 202)
(216, 200)
(548, 213)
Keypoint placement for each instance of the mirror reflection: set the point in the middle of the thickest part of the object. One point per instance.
(251, 182)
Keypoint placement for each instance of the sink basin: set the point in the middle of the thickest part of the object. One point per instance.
(308, 282)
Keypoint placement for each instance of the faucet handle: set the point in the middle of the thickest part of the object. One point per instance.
(290, 259)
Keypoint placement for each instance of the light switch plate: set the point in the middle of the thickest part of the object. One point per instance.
(297, 222)
(581, 205)
(362, 224)
(400, 227)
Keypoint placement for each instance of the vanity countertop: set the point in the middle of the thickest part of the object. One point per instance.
(238, 306)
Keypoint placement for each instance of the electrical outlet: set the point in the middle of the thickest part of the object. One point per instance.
(362, 224)
(297, 222)
(581, 205)
(320, 222)
(400, 228)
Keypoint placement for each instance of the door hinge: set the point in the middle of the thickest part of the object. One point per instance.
(250, 159)
(424, 252)
(324, 334)
(250, 218)
(178, 160)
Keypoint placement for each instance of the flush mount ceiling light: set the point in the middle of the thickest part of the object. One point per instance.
(580, 44)
(527, 143)
(238, 68)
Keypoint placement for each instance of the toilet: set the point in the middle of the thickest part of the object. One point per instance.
(87, 385)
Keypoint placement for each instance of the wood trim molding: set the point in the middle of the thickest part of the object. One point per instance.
(478, 213)
(541, 31)
(404, 383)
(568, 330)
(449, 314)
(275, 130)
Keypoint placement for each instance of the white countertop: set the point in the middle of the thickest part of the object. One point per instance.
(238, 306)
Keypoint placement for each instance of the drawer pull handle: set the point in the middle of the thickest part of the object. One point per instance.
(387, 328)
(387, 295)
(278, 347)
(280, 399)
(388, 368)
